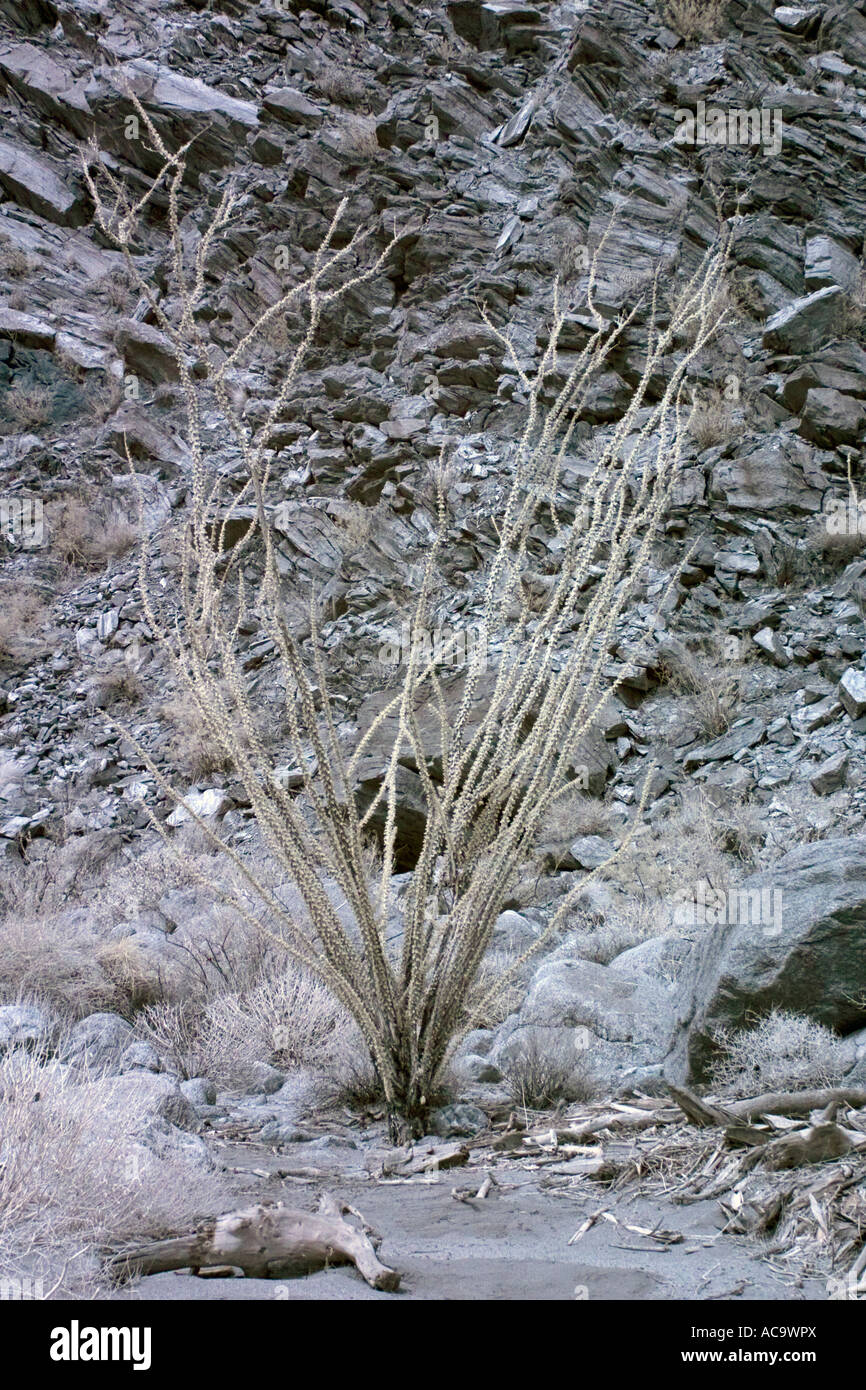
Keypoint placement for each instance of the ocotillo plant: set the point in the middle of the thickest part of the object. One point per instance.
(507, 746)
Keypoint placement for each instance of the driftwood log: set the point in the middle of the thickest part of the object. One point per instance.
(267, 1242)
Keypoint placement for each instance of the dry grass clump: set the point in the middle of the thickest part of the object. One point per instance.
(14, 263)
(193, 747)
(665, 863)
(783, 1052)
(116, 288)
(833, 546)
(85, 535)
(601, 938)
(574, 815)
(54, 949)
(119, 685)
(540, 1077)
(853, 317)
(58, 959)
(695, 19)
(837, 534)
(358, 137)
(710, 681)
(355, 523)
(341, 85)
(711, 421)
(27, 405)
(76, 1175)
(570, 255)
(23, 613)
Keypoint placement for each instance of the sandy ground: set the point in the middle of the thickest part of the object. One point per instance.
(513, 1245)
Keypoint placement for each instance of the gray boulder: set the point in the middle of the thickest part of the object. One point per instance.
(794, 938)
(611, 1022)
(98, 1041)
(140, 1055)
(24, 1025)
(454, 1121)
(199, 1091)
(805, 324)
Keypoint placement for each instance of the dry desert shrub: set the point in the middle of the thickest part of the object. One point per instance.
(74, 1175)
(89, 534)
(27, 405)
(695, 19)
(785, 1051)
(710, 678)
(23, 621)
(542, 1076)
(283, 1017)
(194, 749)
(711, 421)
(500, 773)
(288, 1019)
(175, 1028)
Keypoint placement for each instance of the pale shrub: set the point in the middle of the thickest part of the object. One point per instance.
(784, 1052)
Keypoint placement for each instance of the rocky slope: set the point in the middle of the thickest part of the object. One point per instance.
(500, 140)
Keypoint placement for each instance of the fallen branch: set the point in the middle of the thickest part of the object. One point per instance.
(698, 1111)
(797, 1102)
(266, 1243)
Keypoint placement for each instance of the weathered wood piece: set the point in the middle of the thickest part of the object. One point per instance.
(266, 1243)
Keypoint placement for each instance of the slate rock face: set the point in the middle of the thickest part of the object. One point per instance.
(807, 953)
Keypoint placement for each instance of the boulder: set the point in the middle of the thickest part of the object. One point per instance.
(140, 1056)
(292, 107)
(852, 691)
(24, 1025)
(830, 775)
(805, 324)
(773, 474)
(830, 418)
(148, 1102)
(33, 182)
(794, 938)
(454, 1121)
(615, 1022)
(100, 1040)
(199, 1091)
(829, 263)
(146, 351)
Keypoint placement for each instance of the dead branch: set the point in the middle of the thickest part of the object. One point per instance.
(266, 1243)
(796, 1102)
